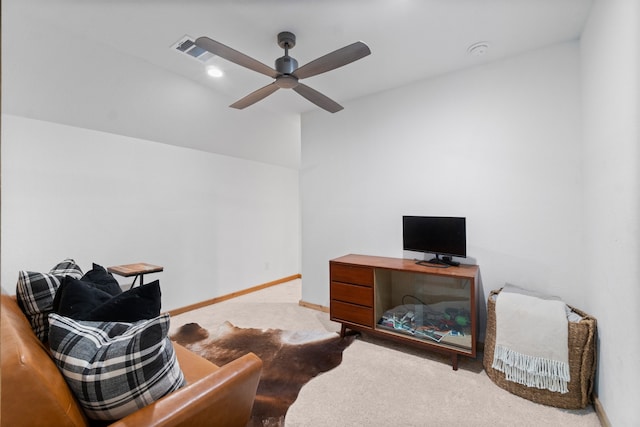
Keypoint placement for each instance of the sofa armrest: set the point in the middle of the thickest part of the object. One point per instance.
(222, 398)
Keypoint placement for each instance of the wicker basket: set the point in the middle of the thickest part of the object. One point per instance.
(582, 364)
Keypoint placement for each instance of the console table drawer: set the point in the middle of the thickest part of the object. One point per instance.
(342, 311)
(352, 274)
(362, 295)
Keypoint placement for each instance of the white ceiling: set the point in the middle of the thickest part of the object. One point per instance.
(410, 40)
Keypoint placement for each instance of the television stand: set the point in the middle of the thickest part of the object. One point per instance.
(420, 305)
(448, 260)
(444, 262)
(432, 263)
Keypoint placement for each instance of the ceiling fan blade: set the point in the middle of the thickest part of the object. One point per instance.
(317, 98)
(234, 56)
(255, 96)
(333, 60)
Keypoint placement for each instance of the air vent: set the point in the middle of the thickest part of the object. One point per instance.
(187, 45)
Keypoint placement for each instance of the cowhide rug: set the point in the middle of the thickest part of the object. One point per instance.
(290, 360)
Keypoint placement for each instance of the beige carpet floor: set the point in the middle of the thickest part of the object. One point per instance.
(380, 383)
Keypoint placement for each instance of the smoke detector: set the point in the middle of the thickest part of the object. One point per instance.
(478, 49)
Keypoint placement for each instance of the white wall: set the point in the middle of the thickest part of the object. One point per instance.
(217, 224)
(610, 51)
(87, 171)
(67, 79)
(497, 144)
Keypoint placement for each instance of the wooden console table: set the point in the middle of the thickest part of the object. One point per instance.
(425, 306)
(137, 270)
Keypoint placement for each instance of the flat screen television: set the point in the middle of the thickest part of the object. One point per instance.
(438, 235)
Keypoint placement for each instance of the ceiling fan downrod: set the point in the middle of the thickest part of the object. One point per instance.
(285, 64)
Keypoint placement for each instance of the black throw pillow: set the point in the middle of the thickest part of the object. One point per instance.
(139, 303)
(77, 298)
(81, 300)
(103, 280)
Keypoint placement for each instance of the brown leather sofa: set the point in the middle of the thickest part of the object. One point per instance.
(34, 393)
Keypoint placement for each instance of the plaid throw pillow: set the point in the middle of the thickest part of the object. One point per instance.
(115, 368)
(35, 293)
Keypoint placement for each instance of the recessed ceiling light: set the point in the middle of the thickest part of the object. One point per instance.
(214, 71)
(478, 49)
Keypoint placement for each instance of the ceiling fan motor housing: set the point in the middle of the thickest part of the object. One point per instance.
(286, 65)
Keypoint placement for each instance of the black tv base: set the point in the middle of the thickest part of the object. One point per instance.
(444, 262)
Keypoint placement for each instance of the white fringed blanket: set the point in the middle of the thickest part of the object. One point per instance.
(532, 340)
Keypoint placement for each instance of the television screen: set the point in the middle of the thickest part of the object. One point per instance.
(435, 234)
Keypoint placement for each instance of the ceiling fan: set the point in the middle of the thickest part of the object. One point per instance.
(287, 75)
